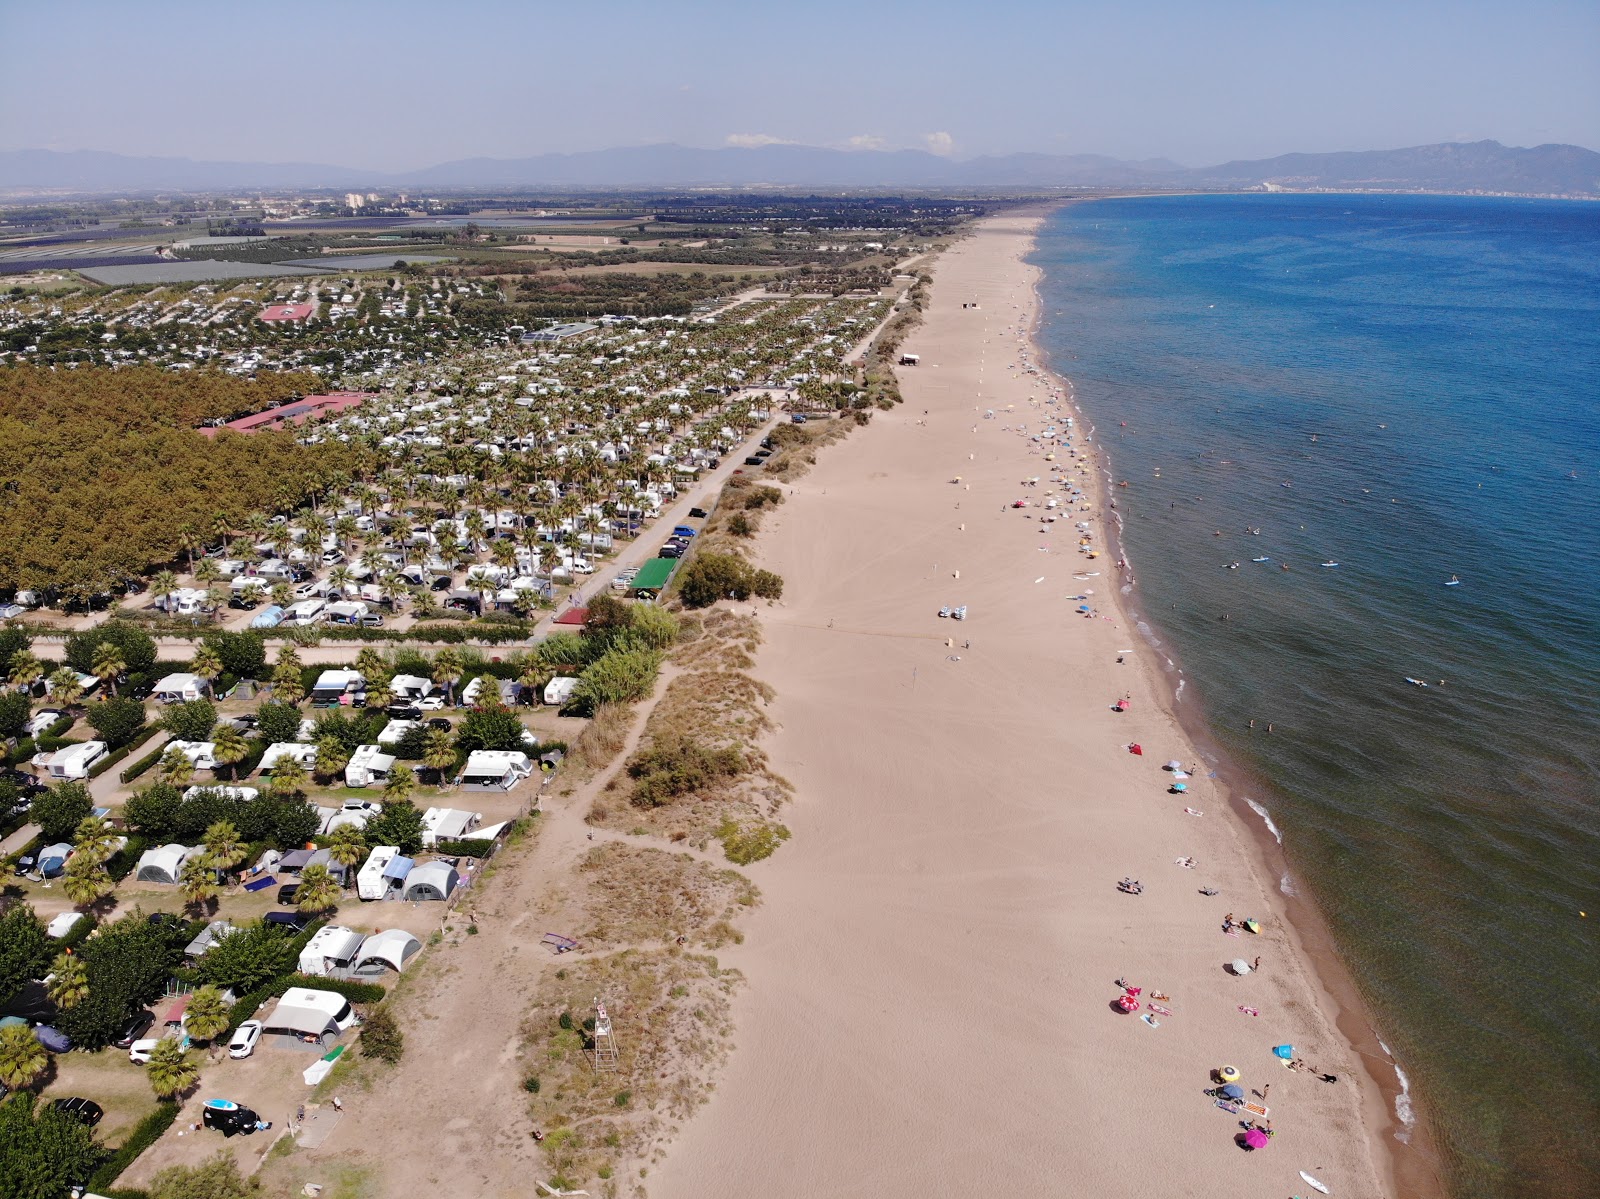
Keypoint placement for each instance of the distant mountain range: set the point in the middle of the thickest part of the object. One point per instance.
(1485, 166)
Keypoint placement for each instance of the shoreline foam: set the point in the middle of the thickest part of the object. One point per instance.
(965, 1047)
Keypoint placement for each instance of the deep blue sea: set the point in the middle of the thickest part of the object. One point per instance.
(1409, 387)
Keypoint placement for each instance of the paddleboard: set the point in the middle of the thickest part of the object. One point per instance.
(1415, 682)
(1453, 583)
(1261, 559)
(1330, 565)
(1313, 1183)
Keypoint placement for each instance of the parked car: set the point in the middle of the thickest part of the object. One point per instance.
(86, 1111)
(287, 894)
(139, 1051)
(699, 513)
(298, 921)
(752, 461)
(439, 722)
(245, 1039)
(134, 1029)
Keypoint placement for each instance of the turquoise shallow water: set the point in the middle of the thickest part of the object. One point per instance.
(1408, 386)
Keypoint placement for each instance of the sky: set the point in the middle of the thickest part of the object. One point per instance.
(403, 84)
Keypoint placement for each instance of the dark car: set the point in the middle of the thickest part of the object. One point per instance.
(85, 1111)
(439, 722)
(442, 583)
(287, 894)
(231, 1120)
(763, 454)
(134, 1029)
(752, 461)
(670, 551)
(766, 443)
(242, 604)
(298, 921)
(404, 711)
(698, 512)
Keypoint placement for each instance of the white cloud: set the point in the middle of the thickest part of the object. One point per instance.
(752, 141)
(867, 141)
(939, 143)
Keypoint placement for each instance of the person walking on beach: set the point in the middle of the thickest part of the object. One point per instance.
(1264, 1091)
(1256, 965)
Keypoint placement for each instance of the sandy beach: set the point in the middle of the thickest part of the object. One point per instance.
(933, 975)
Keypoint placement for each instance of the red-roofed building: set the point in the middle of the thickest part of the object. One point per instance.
(295, 413)
(290, 313)
(572, 618)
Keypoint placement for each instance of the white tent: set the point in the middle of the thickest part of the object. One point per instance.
(163, 864)
(390, 949)
(431, 880)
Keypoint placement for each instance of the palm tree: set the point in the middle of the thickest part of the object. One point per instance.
(371, 666)
(319, 890)
(188, 542)
(86, 882)
(197, 884)
(347, 844)
(401, 783)
(280, 593)
(207, 1014)
(287, 656)
(26, 670)
(229, 748)
(69, 981)
(439, 752)
(286, 685)
(332, 756)
(108, 665)
(341, 578)
(93, 840)
(207, 571)
(172, 1069)
(64, 686)
(22, 1058)
(447, 672)
(288, 776)
(207, 664)
(379, 693)
(535, 676)
(222, 527)
(176, 768)
(164, 583)
(224, 849)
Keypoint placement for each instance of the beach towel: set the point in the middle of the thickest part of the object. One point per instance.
(1155, 1007)
(1192, 812)
(1150, 1020)
(261, 884)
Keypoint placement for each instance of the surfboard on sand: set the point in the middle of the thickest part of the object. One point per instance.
(1315, 1184)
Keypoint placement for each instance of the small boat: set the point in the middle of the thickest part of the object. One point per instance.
(1261, 559)
(1330, 564)
(1416, 682)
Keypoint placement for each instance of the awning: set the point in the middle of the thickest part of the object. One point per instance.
(398, 867)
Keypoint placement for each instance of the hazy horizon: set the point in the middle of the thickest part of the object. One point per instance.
(405, 85)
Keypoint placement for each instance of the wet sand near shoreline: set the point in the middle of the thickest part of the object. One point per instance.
(933, 973)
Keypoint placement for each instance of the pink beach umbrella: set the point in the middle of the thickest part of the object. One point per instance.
(1255, 1139)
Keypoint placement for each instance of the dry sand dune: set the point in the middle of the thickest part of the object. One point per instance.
(932, 974)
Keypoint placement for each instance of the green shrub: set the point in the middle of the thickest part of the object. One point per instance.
(745, 845)
(531, 1084)
(622, 675)
(676, 766)
(381, 1036)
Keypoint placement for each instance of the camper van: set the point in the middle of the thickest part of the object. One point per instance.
(71, 761)
(370, 881)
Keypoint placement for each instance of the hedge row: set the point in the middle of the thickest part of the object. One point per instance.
(145, 1133)
(450, 634)
(479, 848)
(142, 765)
(111, 759)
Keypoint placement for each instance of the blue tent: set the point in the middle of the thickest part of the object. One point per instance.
(53, 859)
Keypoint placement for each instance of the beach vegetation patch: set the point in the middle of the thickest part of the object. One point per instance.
(677, 766)
(746, 843)
(637, 895)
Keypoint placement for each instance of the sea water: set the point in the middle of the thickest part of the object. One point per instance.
(1409, 387)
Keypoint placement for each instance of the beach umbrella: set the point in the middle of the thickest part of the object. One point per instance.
(1136, 748)
(1174, 765)
(1180, 787)
(1240, 966)
(1256, 1139)
(1253, 925)
(1233, 1091)
(1286, 1052)
(1228, 1073)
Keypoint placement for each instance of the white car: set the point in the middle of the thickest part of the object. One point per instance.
(139, 1051)
(431, 703)
(245, 1039)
